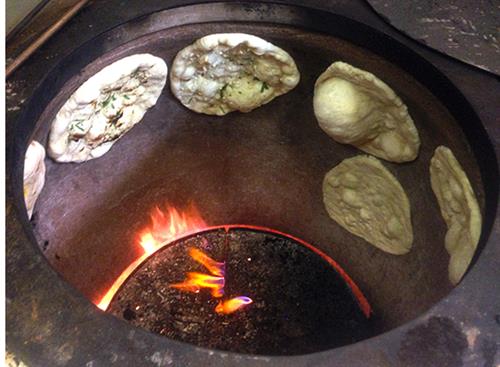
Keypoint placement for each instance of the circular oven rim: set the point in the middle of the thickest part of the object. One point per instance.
(19, 232)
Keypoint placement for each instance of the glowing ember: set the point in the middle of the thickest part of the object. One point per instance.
(197, 281)
(214, 267)
(232, 305)
(165, 227)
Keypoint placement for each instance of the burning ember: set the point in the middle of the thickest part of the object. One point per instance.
(165, 227)
(216, 282)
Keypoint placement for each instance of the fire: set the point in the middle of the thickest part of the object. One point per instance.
(165, 227)
(214, 267)
(196, 281)
(232, 305)
(215, 282)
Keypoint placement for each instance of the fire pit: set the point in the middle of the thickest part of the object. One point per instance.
(272, 294)
(263, 169)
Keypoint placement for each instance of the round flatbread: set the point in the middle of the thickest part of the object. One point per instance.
(34, 174)
(362, 196)
(459, 209)
(105, 107)
(355, 107)
(221, 73)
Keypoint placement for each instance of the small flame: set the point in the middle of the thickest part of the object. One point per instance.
(216, 282)
(165, 227)
(197, 281)
(232, 305)
(214, 267)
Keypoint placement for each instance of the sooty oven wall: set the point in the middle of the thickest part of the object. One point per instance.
(263, 168)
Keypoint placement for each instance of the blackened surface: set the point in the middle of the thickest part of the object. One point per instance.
(300, 303)
(438, 342)
(489, 350)
(466, 30)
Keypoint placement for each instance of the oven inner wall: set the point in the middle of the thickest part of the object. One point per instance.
(263, 168)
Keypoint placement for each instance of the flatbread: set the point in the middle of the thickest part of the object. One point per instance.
(459, 209)
(105, 107)
(226, 72)
(362, 196)
(355, 107)
(34, 174)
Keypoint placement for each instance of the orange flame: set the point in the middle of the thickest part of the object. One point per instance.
(164, 228)
(214, 267)
(196, 281)
(216, 282)
(232, 305)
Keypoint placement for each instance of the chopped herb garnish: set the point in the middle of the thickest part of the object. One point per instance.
(126, 97)
(79, 126)
(264, 87)
(106, 101)
(222, 109)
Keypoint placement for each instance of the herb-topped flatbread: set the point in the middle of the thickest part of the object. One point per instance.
(221, 73)
(105, 107)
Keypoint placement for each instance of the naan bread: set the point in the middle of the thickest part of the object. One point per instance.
(459, 209)
(362, 196)
(34, 174)
(105, 107)
(355, 107)
(221, 73)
